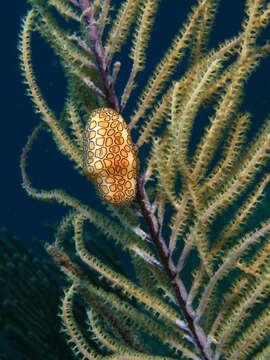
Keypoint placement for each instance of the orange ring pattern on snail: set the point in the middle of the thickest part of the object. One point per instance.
(111, 160)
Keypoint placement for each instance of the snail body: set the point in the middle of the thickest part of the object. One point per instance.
(110, 157)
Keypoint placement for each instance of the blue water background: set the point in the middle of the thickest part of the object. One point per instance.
(24, 216)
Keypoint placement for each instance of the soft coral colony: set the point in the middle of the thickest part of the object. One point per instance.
(202, 270)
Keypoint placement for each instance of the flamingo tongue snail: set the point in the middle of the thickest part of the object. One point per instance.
(111, 160)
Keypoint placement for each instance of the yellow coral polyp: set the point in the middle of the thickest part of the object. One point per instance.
(110, 157)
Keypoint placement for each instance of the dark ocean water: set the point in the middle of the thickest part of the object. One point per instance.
(47, 168)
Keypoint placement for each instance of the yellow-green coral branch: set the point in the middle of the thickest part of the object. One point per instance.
(142, 296)
(72, 329)
(235, 252)
(65, 143)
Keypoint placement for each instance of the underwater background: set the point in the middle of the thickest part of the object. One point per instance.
(27, 218)
(48, 169)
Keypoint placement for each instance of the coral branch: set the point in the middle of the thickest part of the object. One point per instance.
(196, 332)
(97, 49)
(180, 264)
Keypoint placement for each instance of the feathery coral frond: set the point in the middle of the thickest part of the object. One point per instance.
(182, 269)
